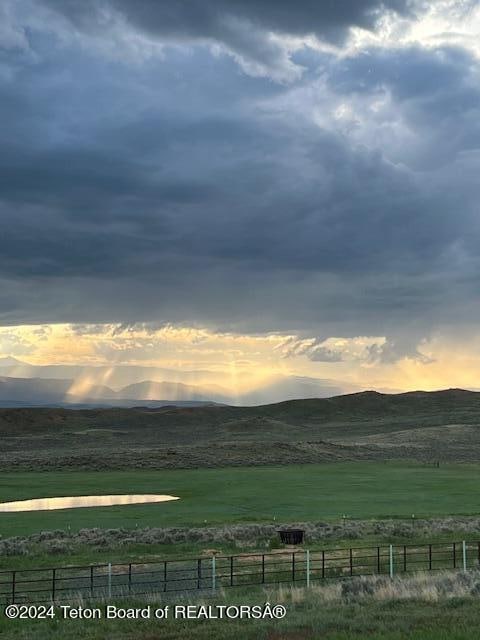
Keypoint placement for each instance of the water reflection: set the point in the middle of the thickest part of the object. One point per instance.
(73, 502)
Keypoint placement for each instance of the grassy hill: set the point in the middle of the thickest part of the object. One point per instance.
(435, 425)
(360, 413)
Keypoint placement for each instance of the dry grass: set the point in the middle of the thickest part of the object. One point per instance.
(422, 586)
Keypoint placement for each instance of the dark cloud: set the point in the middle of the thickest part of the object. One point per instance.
(182, 190)
(412, 73)
(307, 16)
(219, 19)
(322, 354)
(396, 349)
(435, 92)
(311, 348)
(243, 27)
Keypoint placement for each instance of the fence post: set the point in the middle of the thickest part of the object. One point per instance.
(164, 575)
(129, 577)
(199, 573)
(263, 568)
(429, 557)
(351, 562)
(231, 571)
(378, 560)
(391, 560)
(464, 553)
(404, 557)
(308, 568)
(293, 566)
(323, 564)
(214, 577)
(13, 586)
(53, 585)
(454, 555)
(109, 579)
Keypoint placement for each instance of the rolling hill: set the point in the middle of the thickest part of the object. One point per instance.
(441, 425)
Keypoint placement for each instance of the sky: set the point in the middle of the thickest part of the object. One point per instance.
(266, 188)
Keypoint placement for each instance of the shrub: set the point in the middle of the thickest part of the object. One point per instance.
(56, 547)
(13, 547)
(274, 543)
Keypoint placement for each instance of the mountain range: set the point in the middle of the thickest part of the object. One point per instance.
(23, 384)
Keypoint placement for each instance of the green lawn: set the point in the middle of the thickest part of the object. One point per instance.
(213, 496)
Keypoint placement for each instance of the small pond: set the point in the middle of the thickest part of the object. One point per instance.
(73, 502)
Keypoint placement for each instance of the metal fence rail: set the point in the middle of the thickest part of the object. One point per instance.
(296, 566)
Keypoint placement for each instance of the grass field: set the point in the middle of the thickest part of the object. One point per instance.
(260, 494)
(255, 494)
(405, 609)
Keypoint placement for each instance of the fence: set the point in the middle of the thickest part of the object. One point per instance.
(300, 567)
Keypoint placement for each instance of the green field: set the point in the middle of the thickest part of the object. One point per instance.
(260, 494)
(309, 617)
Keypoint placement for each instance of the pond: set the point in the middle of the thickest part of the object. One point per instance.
(73, 502)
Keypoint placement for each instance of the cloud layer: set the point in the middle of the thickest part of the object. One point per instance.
(241, 166)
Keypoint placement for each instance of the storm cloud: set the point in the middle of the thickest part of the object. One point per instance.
(249, 31)
(224, 171)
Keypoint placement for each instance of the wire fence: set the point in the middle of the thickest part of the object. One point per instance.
(296, 566)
